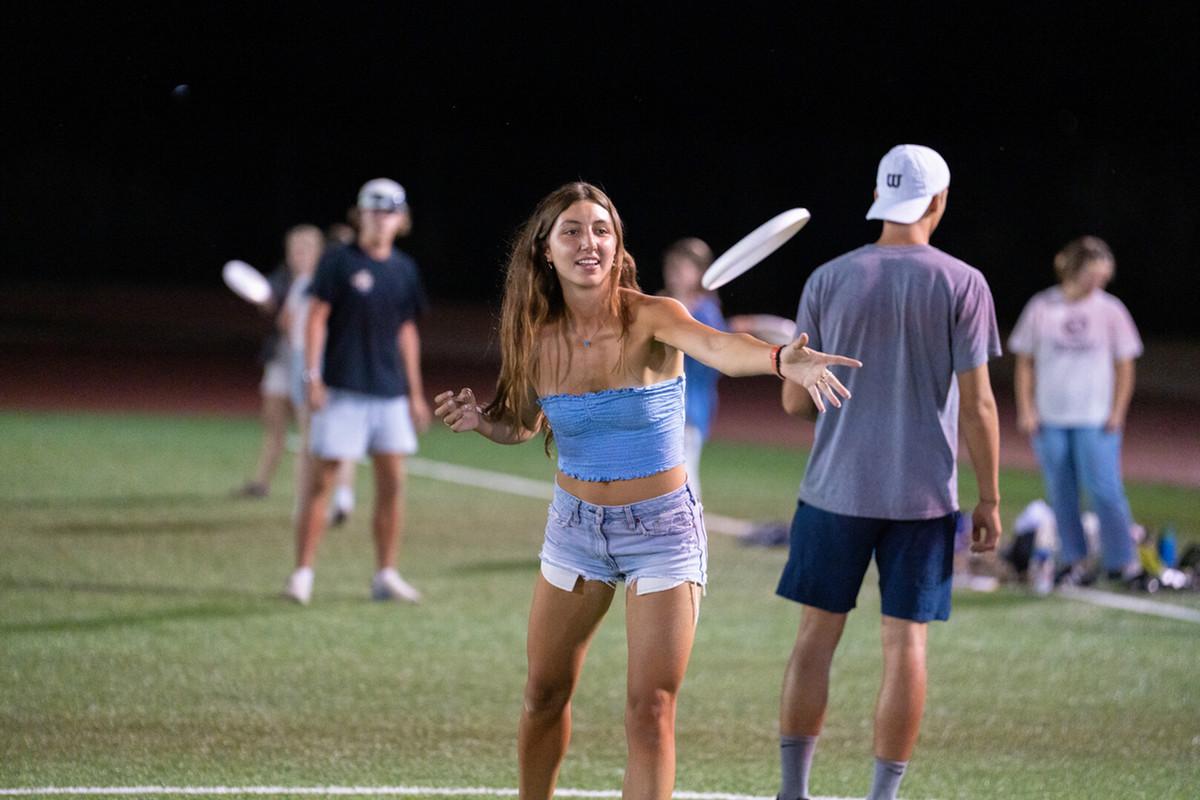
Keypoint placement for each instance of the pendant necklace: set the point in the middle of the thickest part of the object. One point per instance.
(587, 340)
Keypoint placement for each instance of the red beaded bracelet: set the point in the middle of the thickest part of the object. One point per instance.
(775, 351)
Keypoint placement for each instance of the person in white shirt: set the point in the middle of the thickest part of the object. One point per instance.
(1075, 346)
(302, 245)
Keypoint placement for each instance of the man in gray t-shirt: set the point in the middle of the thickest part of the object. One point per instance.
(921, 317)
(882, 478)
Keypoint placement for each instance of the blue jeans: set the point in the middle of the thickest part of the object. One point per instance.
(1089, 458)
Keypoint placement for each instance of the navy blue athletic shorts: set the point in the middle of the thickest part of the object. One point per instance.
(830, 554)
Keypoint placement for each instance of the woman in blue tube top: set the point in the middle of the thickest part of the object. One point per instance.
(597, 365)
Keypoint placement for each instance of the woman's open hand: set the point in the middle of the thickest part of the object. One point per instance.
(810, 368)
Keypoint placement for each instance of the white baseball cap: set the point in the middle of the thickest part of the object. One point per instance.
(382, 194)
(908, 178)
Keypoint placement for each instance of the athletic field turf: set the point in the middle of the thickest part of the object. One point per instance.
(143, 643)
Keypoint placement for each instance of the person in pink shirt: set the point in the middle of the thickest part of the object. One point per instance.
(1075, 346)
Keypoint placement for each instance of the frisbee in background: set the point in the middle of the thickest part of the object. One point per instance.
(246, 282)
(754, 247)
(768, 327)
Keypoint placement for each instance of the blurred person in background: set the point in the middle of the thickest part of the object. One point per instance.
(363, 375)
(1075, 346)
(303, 245)
(340, 233)
(310, 241)
(684, 264)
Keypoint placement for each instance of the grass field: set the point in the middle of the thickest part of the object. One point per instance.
(142, 641)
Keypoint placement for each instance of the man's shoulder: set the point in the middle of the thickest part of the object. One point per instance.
(402, 266)
(872, 256)
(402, 259)
(840, 266)
(856, 256)
(954, 266)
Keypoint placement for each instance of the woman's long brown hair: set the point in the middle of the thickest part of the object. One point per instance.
(533, 299)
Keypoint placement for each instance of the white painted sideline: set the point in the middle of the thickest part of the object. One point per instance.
(716, 523)
(343, 791)
(1138, 605)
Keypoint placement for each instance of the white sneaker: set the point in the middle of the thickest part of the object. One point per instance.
(342, 506)
(299, 586)
(388, 585)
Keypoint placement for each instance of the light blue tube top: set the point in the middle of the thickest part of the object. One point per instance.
(618, 434)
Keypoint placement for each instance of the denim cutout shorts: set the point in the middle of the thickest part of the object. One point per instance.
(656, 544)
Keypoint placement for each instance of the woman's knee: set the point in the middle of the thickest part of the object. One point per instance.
(650, 711)
(546, 696)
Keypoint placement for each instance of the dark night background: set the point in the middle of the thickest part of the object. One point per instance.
(1055, 122)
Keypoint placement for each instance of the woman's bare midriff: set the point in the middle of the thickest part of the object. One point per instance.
(622, 493)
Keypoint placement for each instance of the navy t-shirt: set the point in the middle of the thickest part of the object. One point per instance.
(369, 301)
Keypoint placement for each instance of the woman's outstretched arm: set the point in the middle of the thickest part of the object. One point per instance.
(739, 354)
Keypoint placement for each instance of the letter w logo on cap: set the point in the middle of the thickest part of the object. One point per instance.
(893, 180)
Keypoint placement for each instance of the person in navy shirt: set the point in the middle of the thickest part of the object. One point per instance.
(363, 372)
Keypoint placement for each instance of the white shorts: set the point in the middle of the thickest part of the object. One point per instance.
(352, 424)
(277, 378)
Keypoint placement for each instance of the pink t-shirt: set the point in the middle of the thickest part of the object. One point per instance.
(1074, 346)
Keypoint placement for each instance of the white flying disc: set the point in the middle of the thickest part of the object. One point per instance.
(754, 247)
(768, 327)
(246, 282)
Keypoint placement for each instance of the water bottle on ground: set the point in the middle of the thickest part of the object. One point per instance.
(1166, 546)
(1041, 571)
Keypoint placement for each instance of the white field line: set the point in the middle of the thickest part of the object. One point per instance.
(730, 526)
(481, 478)
(1138, 605)
(344, 791)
